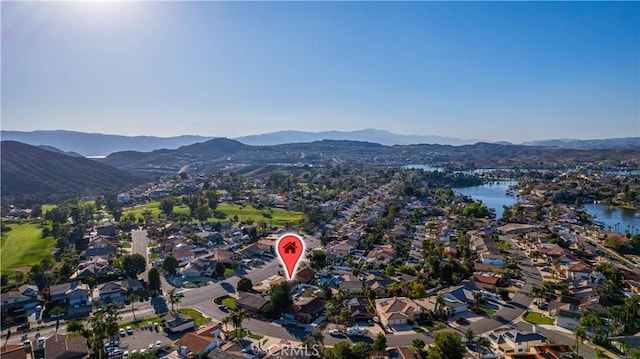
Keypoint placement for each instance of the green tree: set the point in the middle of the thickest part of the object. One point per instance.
(417, 290)
(244, 284)
(154, 280)
(134, 264)
(341, 350)
(380, 342)
(174, 299)
(170, 265)
(75, 325)
(280, 294)
(318, 259)
(237, 316)
(219, 269)
(166, 206)
(580, 334)
(132, 298)
(447, 345)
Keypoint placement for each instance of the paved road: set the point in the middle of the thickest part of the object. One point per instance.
(522, 299)
(139, 245)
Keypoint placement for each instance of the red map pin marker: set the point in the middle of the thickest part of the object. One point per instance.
(290, 248)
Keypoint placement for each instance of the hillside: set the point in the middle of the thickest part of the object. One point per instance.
(97, 144)
(367, 135)
(31, 170)
(224, 154)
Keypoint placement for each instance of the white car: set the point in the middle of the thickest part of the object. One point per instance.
(336, 332)
(125, 355)
(158, 344)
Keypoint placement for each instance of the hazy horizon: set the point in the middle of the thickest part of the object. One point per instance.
(502, 71)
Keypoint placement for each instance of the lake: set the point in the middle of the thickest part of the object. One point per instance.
(616, 218)
(494, 195)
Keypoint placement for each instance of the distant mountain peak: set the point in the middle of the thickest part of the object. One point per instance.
(371, 135)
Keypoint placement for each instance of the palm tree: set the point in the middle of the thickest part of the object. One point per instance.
(316, 338)
(225, 322)
(237, 316)
(439, 304)
(174, 299)
(483, 344)
(469, 335)
(580, 333)
(132, 297)
(536, 292)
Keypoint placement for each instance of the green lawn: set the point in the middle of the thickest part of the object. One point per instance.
(154, 208)
(537, 318)
(47, 207)
(197, 317)
(229, 302)
(24, 246)
(140, 321)
(232, 333)
(278, 216)
(436, 325)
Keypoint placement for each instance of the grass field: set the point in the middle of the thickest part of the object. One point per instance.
(24, 246)
(229, 302)
(140, 321)
(278, 216)
(537, 318)
(197, 317)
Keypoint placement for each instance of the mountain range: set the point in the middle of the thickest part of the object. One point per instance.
(30, 170)
(224, 154)
(95, 144)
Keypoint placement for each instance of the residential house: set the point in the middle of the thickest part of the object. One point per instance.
(183, 256)
(237, 349)
(397, 310)
(382, 255)
(400, 353)
(305, 309)
(251, 302)
(60, 347)
(111, 292)
(255, 250)
(305, 275)
(514, 341)
(29, 290)
(225, 256)
(546, 351)
(15, 304)
(199, 343)
(72, 296)
(486, 281)
(13, 351)
(201, 267)
(176, 322)
(492, 259)
(100, 248)
(567, 315)
(358, 307)
(132, 285)
(107, 230)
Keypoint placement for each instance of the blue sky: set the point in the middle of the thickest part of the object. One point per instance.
(492, 71)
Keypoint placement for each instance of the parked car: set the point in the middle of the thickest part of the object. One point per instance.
(336, 332)
(158, 344)
(223, 308)
(129, 330)
(125, 355)
(123, 333)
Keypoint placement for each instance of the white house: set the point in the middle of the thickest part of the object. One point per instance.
(514, 341)
(492, 259)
